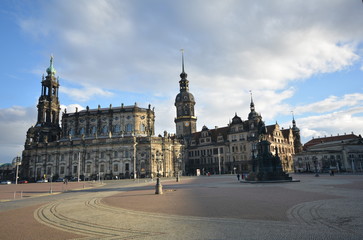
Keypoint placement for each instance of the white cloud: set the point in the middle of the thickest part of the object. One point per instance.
(331, 104)
(14, 123)
(125, 45)
(71, 108)
(86, 93)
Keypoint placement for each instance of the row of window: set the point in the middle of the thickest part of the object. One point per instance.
(205, 152)
(87, 169)
(105, 129)
(115, 154)
(208, 160)
(241, 148)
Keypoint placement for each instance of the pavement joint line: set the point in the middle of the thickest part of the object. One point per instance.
(48, 193)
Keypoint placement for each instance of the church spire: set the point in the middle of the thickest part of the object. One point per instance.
(252, 105)
(184, 83)
(293, 120)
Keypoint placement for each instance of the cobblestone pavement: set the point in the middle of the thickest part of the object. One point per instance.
(216, 207)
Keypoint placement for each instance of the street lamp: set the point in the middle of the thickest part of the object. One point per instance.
(158, 187)
(316, 167)
(135, 145)
(178, 169)
(17, 163)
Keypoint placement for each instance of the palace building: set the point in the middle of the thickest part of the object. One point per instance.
(229, 149)
(120, 142)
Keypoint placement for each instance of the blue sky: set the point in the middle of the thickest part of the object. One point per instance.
(302, 56)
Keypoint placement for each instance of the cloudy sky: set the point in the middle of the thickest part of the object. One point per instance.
(303, 56)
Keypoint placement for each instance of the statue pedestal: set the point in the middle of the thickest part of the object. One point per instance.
(267, 167)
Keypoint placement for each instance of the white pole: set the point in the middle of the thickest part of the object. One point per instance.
(17, 172)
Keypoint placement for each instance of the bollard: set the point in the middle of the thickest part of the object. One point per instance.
(158, 187)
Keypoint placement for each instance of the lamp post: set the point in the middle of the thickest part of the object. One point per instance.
(135, 143)
(316, 168)
(178, 168)
(51, 179)
(17, 163)
(79, 166)
(158, 187)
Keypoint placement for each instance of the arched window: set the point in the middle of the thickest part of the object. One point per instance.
(105, 129)
(117, 128)
(82, 131)
(128, 127)
(93, 130)
(71, 132)
(142, 127)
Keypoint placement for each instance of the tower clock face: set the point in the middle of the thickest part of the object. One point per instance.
(186, 124)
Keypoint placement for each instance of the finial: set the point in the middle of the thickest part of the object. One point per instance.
(293, 120)
(183, 75)
(252, 105)
(50, 69)
(182, 51)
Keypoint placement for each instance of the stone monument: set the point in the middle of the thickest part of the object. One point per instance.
(267, 167)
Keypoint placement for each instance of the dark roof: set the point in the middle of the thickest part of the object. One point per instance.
(270, 129)
(285, 133)
(236, 120)
(214, 133)
(114, 109)
(315, 141)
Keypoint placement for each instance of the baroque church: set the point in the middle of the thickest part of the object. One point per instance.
(101, 143)
(120, 142)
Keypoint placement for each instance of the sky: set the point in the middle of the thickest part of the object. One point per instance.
(302, 56)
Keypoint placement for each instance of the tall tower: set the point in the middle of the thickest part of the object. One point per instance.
(185, 121)
(47, 128)
(296, 132)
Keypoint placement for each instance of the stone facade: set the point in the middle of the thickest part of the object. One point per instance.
(102, 143)
(342, 153)
(229, 149)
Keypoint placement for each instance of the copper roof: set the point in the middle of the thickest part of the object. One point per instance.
(315, 141)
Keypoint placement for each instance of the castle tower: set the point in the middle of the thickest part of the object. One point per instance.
(47, 128)
(296, 133)
(186, 122)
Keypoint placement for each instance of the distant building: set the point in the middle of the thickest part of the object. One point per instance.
(106, 143)
(342, 153)
(7, 172)
(228, 149)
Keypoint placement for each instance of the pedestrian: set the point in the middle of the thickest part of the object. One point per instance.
(238, 176)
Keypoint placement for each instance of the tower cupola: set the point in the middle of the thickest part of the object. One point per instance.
(51, 70)
(184, 102)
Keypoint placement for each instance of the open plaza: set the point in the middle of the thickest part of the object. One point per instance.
(205, 207)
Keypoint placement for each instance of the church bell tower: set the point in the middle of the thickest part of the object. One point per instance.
(47, 128)
(185, 121)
